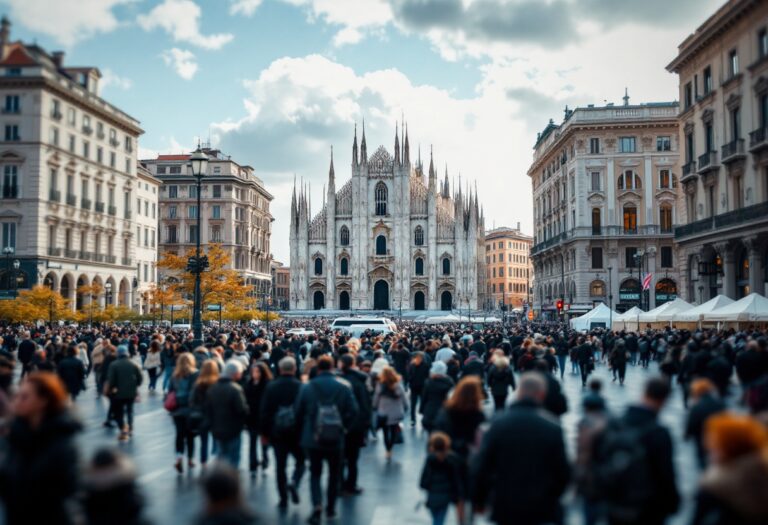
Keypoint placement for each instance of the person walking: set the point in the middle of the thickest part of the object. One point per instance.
(462, 415)
(168, 358)
(208, 376)
(153, 363)
(279, 426)
(356, 435)
(259, 377)
(418, 373)
(618, 361)
(442, 478)
(436, 390)
(72, 372)
(705, 403)
(391, 405)
(586, 358)
(39, 476)
(500, 379)
(523, 451)
(123, 380)
(226, 411)
(224, 502)
(325, 409)
(182, 384)
(111, 492)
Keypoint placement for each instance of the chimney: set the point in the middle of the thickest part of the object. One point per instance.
(58, 59)
(5, 35)
(518, 225)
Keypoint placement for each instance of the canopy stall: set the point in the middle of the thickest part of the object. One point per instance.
(750, 309)
(696, 314)
(599, 317)
(627, 320)
(664, 313)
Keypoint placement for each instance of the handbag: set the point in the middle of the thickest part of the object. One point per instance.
(398, 437)
(170, 403)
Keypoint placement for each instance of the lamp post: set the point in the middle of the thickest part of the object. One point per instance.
(199, 164)
(16, 266)
(8, 251)
(610, 299)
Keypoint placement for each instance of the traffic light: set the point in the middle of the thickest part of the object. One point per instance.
(559, 305)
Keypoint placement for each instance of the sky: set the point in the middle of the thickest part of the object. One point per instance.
(277, 83)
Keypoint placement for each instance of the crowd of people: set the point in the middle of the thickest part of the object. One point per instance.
(489, 399)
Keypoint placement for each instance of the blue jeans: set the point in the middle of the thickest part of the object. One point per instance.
(167, 373)
(438, 515)
(561, 364)
(229, 450)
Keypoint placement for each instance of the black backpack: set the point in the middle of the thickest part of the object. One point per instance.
(329, 427)
(285, 421)
(621, 475)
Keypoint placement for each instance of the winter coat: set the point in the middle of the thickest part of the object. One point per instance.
(357, 381)
(734, 493)
(473, 367)
(524, 452)
(184, 388)
(500, 379)
(253, 394)
(461, 427)
(153, 360)
(325, 388)
(418, 375)
(391, 405)
(433, 396)
(39, 475)
(225, 409)
(705, 407)
(72, 373)
(443, 481)
(124, 378)
(282, 391)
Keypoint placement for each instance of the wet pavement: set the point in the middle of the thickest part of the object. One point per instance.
(391, 489)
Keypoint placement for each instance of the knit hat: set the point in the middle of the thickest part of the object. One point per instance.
(122, 351)
(438, 368)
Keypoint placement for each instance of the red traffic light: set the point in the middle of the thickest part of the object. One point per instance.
(559, 304)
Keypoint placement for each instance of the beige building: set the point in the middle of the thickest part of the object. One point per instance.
(281, 286)
(235, 212)
(723, 71)
(68, 162)
(145, 217)
(605, 194)
(508, 268)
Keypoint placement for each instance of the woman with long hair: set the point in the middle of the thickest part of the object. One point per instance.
(391, 405)
(258, 379)
(209, 375)
(462, 415)
(39, 473)
(182, 383)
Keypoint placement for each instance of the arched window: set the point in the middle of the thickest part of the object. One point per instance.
(418, 236)
(344, 266)
(381, 245)
(629, 181)
(419, 266)
(596, 221)
(318, 266)
(446, 266)
(381, 198)
(344, 236)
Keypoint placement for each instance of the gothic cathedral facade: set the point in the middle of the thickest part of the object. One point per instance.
(387, 239)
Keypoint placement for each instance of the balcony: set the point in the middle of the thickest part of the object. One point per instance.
(758, 139)
(112, 210)
(85, 204)
(99, 207)
(98, 257)
(111, 259)
(689, 169)
(85, 256)
(100, 135)
(127, 261)
(708, 162)
(56, 114)
(54, 252)
(733, 151)
(172, 240)
(71, 254)
(54, 196)
(71, 199)
(88, 130)
(10, 192)
(127, 215)
(724, 220)
(114, 143)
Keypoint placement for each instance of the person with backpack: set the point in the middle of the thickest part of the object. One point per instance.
(356, 434)
(633, 470)
(178, 402)
(123, 380)
(522, 457)
(279, 427)
(325, 409)
(442, 478)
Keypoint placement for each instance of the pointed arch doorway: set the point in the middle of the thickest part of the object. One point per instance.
(381, 295)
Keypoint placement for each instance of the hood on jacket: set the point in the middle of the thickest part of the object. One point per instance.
(741, 485)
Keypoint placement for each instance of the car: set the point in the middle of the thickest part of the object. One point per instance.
(181, 327)
(370, 322)
(357, 330)
(302, 332)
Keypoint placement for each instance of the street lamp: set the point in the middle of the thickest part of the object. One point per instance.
(199, 163)
(610, 299)
(8, 251)
(16, 266)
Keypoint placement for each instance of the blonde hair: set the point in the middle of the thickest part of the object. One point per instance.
(388, 377)
(185, 366)
(209, 373)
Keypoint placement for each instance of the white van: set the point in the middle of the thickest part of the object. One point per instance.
(370, 322)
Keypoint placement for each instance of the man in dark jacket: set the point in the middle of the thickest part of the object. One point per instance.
(523, 457)
(123, 380)
(281, 395)
(356, 434)
(325, 404)
(71, 370)
(418, 373)
(26, 353)
(435, 393)
(226, 411)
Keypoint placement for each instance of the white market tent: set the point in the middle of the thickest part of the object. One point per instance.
(750, 309)
(443, 319)
(627, 320)
(665, 312)
(696, 314)
(600, 314)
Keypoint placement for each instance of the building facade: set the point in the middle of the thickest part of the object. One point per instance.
(723, 73)
(389, 238)
(145, 216)
(605, 188)
(508, 268)
(281, 288)
(235, 213)
(68, 178)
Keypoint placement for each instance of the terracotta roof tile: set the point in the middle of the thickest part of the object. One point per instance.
(18, 57)
(173, 157)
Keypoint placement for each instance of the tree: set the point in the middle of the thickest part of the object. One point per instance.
(38, 303)
(218, 284)
(161, 298)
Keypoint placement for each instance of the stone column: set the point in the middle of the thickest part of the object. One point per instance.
(729, 268)
(756, 282)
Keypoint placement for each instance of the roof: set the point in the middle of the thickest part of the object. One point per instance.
(173, 157)
(18, 57)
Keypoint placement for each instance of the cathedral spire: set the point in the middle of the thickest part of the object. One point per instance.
(331, 173)
(432, 177)
(363, 148)
(446, 187)
(354, 148)
(397, 147)
(406, 148)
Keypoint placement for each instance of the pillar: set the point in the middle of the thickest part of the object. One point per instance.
(756, 281)
(729, 269)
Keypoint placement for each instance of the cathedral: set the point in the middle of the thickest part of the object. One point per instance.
(387, 239)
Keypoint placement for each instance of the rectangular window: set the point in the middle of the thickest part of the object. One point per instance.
(146, 272)
(100, 155)
(9, 235)
(597, 258)
(12, 104)
(595, 181)
(86, 149)
(217, 191)
(174, 170)
(193, 233)
(688, 95)
(128, 166)
(192, 191)
(161, 170)
(216, 212)
(154, 210)
(171, 212)
(53, 181)
(12, 132)
(630, 219)
(112, 159)
(173, 192)
(53, 136)
(84, 188)
(111, 196)
(627, 144)
(10, 181)
(666, 257)
(594, 145)
(629, 256)
(665, 219)
(663, 143)
(146, 237)
(664, 179)
(172, 238)
(192, 212)
(733, 63)
(71, 116)
(708, 80)
(71, 143)
(152, 237)
(709, 136)
(762, 43)
(735, 124)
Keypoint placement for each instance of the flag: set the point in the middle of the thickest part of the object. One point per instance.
(647, 281)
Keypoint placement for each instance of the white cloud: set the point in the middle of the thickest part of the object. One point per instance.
(347, 36)
(111, 79)
(244, 7)
(67, 21)
(357, 17)
(182, 61)
(181, 19)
